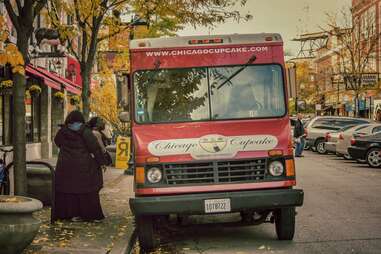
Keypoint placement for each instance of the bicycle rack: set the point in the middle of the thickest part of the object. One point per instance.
(53, 176)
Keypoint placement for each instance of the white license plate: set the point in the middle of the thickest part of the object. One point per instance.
(217, 205)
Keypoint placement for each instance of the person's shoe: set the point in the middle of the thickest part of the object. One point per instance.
(76, 219)
(299, 156)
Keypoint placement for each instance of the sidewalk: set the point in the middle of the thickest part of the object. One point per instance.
(66, 237)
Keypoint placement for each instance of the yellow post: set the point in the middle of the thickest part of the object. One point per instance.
(123, 152)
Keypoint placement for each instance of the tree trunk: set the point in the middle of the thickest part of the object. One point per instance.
(357, 105)
(86, 81)
(19, 137)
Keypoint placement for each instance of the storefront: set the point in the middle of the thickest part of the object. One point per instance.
(47, 101)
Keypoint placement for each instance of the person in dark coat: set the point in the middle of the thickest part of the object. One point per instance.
(78, 172)
(299, 136)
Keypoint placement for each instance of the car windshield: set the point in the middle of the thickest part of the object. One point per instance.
(196, 94)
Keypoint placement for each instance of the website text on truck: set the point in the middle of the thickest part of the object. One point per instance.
(211, 132)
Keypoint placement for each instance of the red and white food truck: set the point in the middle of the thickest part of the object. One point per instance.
(211, 132)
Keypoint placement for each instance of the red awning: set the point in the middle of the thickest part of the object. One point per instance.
(31, 70)
(69, 85)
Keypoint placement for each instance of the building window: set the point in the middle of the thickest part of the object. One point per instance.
(33, 119)
(36, 116)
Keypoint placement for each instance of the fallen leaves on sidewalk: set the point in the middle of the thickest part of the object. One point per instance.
(84, 235)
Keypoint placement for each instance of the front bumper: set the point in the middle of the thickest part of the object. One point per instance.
(357, 153)
(195, 203)
(330, 147)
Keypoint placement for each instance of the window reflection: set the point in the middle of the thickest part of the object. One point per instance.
(172, 95)
(194, 94)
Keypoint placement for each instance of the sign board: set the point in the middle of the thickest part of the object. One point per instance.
(369, 79)
(318, 107)
(123, 152)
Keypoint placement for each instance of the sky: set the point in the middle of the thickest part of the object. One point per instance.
(287, 17)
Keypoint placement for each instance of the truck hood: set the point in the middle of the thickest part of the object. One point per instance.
(210, 140)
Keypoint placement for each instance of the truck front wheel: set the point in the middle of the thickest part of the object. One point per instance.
(285, 223)
(145, 230)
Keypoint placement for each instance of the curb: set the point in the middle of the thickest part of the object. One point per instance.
(124, 245)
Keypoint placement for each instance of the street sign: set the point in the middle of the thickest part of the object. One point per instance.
(123, 152)
(318, 107)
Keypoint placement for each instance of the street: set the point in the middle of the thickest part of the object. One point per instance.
(341, 214)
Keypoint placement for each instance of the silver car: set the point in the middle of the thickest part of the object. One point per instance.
(320, 125)
(345, 137)
(333, 137)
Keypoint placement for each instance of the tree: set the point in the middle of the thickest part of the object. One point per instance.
(93, 15)
(307, 89)
(356, 46)
(22, 15)
(104, 104)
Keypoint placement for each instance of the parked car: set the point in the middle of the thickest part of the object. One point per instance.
(332, 137)
(367, 148)
(320, 125)
(345, 137)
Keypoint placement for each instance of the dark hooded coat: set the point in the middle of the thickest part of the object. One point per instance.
(79, 162)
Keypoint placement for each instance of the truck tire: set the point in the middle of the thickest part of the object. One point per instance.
(144, 225)
(285, 223)
(320, 147)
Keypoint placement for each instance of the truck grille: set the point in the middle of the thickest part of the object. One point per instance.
(215, 172)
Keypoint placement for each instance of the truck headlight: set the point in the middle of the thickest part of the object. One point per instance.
(154, 175)
(276, 168)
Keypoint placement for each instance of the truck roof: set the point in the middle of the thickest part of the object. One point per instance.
(184, 41)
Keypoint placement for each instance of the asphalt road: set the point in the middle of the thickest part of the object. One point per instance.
(341, 214)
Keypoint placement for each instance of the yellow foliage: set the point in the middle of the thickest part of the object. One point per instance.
(104, 103)
(10, 55)
(19, 69)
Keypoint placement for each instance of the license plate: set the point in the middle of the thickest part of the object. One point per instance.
(217, 205)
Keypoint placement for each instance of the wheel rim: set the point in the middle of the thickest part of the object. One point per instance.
(320, 147)
(374, 158)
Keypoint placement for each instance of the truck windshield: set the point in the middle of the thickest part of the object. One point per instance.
(192, 94)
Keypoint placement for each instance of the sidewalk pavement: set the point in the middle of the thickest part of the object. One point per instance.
(66, 237)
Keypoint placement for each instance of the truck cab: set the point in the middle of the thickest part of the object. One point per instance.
(210, 131)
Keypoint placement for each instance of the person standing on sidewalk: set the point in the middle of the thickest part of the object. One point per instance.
(299, 136)
(78, 177)
(97, 125)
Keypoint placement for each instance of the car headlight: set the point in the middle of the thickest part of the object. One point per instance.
(154, 175)
(276, 168)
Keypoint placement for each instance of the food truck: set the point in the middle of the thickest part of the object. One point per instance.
(211, 131)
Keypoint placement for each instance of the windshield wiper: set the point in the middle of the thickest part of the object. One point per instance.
(251, 60)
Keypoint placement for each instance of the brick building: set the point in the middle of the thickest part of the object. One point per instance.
(331, 71)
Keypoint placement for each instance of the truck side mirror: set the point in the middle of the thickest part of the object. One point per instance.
(124, 116)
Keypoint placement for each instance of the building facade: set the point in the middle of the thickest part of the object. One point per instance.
(53, 85)
(333, 75)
